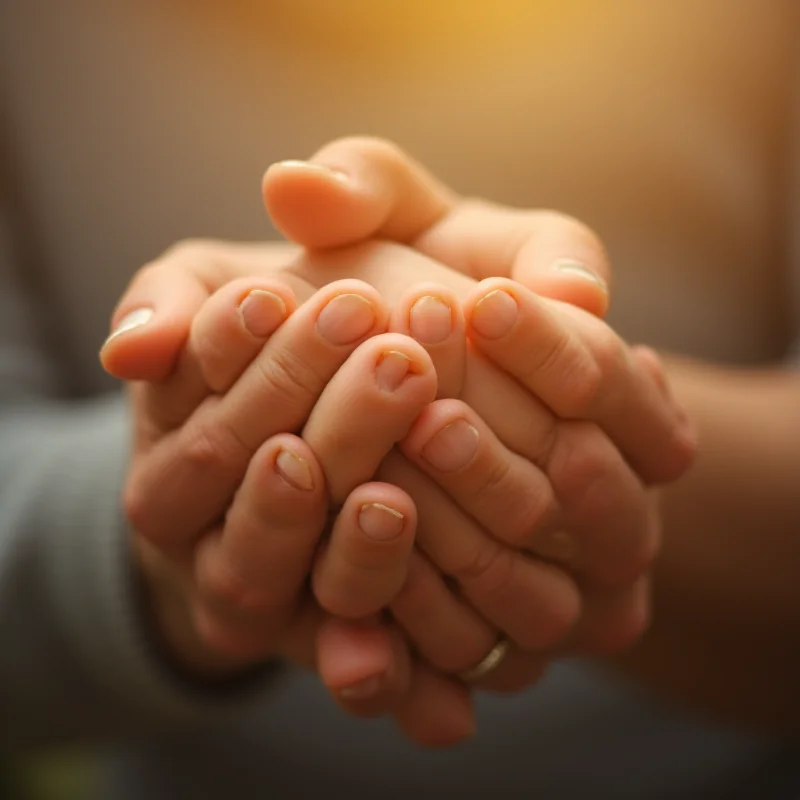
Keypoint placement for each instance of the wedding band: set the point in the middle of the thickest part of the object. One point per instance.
(488, 664)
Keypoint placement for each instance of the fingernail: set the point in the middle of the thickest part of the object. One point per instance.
(262, 312)
(363, 690)
(430, 320)
(294, 470)
(314, 167)
(453, 447)
(135, 319)
(380, 522)
(346, 319)
(579, 270)
(391, 371)
(494, 315)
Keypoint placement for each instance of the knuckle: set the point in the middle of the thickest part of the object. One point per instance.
(583, 464)
(539, 434)
(488, 570)
(331, 599)
(496, 480)
(609, 351)
(525, 510)
(582, 381)
(213, 443)
(574, 372)
(287, 377)
(520, 525)
(219, 582)
(353, 600)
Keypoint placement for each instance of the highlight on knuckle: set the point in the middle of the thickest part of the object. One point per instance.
(212, 357)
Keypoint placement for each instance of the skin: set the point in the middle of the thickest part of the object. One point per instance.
(719, 642)
(595, 599)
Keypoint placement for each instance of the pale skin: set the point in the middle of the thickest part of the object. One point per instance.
(597, 595)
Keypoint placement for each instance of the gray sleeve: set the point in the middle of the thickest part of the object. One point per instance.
(76, 662)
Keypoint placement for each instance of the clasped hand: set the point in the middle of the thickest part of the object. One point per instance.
(382, 449)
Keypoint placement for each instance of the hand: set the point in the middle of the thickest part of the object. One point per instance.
(355, 190)
(229, 594)
(609, 370)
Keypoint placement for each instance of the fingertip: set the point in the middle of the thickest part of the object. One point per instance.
(317, 206)
(439, 711)
(358, 664)
(574, 287)
(365, 563)
(143, 347)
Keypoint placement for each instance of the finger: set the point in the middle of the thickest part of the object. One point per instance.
(151, 322)
(551, 254)
(508, 495)
(432, 315)
(609, 530)
(252, 573)
(150, 325)
(351, 190)
(448, 634)
(226, 334)
(612, 620)
(363, 566)
(189, 477)
(534, 603)
(365, 665)
(445, 631)
(587, 511)
(438, 711)
(358, 188)
(367, 407)
(581, 370)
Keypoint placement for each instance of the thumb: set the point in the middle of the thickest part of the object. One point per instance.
(351, 190)
(150, 325)
(358, 188)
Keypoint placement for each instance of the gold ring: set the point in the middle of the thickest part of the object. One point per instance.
(489, 663)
